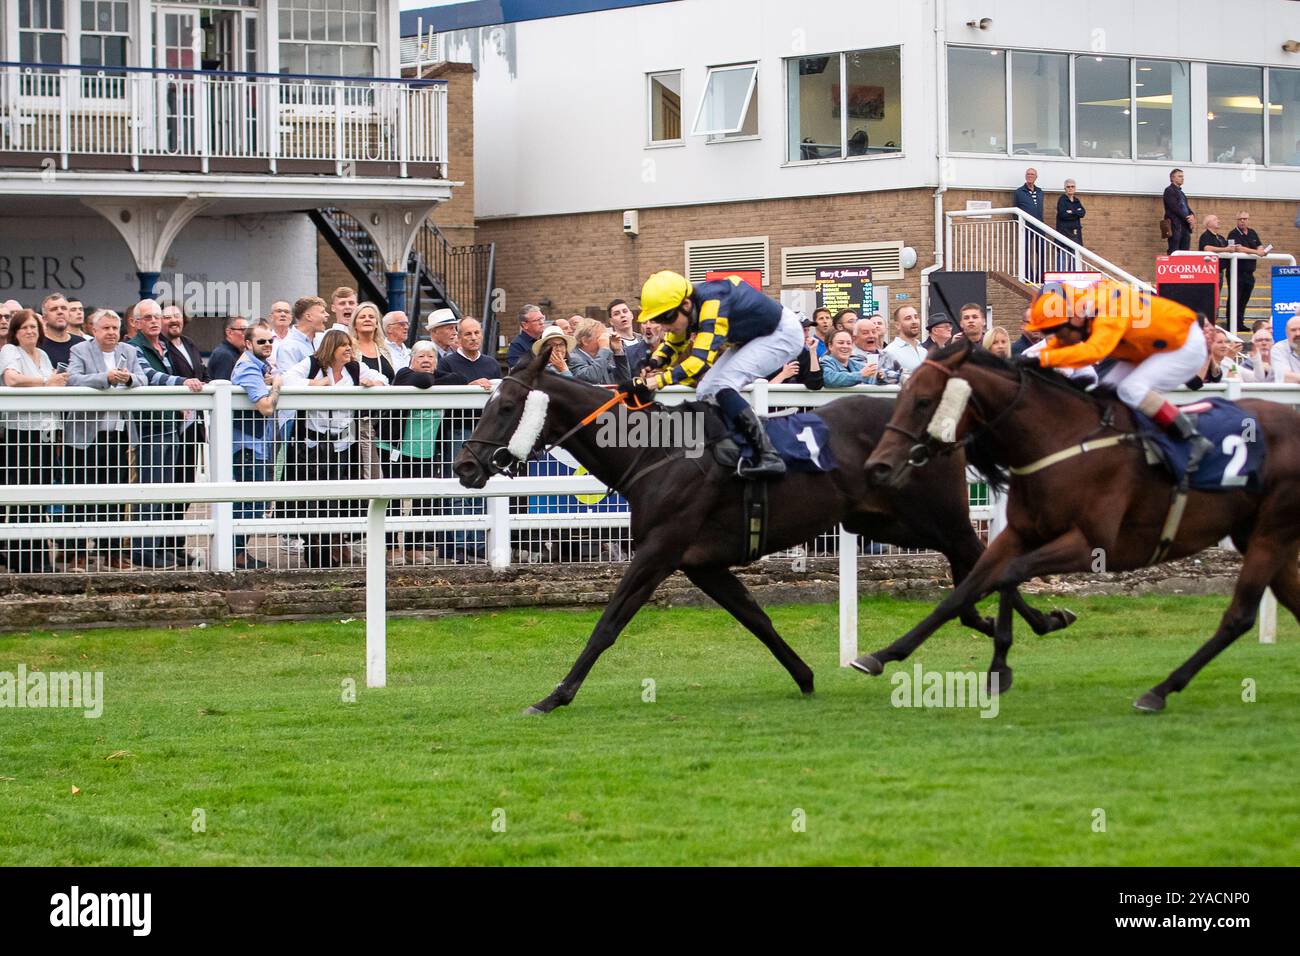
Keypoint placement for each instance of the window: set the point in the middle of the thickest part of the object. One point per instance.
(1040, 104)
(329, 37)
(844, 104)
(1284, 117)
(665, 107)
(40, 31)
(1102, 107)
(977, 100)
(105, 30)
(729, 106)
(1163, 98)
(1236, 114)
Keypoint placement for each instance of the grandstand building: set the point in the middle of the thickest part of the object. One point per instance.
(776, 136)
(258, 149)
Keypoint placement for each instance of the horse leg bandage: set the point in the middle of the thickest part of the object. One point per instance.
(943, 425)
(530, 425)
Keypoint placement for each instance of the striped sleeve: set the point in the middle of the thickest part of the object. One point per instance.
(709, 341)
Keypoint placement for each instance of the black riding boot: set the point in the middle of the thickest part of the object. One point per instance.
(1199, 446)
(766, 463)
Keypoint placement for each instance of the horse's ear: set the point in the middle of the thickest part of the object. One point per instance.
(534, 368)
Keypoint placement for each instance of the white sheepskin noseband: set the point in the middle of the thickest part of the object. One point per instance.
(943, 426)
(530, 424)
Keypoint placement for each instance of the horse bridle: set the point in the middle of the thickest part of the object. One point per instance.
(502, 460)
(925, 444)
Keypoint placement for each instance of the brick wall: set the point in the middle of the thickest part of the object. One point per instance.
(583, 261)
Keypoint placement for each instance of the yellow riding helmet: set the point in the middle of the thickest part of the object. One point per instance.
(662, 293)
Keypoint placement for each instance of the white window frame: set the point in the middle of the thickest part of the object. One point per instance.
(844, 156)
(1263, 98)
(717, 134)
(650, 141)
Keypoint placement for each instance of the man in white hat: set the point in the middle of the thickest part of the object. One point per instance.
(442, 326)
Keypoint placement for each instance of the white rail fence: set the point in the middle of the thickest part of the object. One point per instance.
(225, 410)
(265, 119)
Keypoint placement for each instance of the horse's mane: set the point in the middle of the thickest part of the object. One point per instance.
(979, 450)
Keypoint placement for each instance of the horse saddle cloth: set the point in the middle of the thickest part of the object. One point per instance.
(802, 439)
(1235, 463)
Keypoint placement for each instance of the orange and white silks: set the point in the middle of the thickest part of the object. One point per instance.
(1128, 324)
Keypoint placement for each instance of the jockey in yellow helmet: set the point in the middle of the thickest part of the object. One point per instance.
(721, 334)
(1157, 342)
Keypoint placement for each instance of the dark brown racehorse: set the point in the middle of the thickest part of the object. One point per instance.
(1107, 503)
(686, 513)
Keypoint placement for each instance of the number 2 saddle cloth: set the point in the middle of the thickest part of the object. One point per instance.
(1235, 464)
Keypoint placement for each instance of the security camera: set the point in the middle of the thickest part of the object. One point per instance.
(1291, 46)
(983, 23)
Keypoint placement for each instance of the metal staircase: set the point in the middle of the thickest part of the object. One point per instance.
(439, 274)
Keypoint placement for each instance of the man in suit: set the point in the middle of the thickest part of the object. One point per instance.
(187, 362)
(95, 445)
(1245, 239)
(1029, 198)
(1181, 218)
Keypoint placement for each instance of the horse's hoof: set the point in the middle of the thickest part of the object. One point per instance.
(806, 691)
(1064, 618)
(1001, 684)
(868, 664)
(534, 711)
(1150, 703)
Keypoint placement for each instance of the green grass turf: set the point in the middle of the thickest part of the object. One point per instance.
(247, 723)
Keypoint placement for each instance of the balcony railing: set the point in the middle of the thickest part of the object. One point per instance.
(141, 118)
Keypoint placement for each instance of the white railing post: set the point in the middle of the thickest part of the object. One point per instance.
(848, 596)
(1268, 618)
(376, 596)
(1020, 250)
(65, 114)
(444, 151)
(498, 533)
(201, 130)
(221, 459)
(339, 137)
(405, 99)
(134, 121)
(1232, 298)
(758, 397)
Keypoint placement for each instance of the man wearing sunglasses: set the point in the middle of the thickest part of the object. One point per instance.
(254, 432)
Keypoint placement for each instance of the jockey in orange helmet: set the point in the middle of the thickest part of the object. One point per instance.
(1157, 342)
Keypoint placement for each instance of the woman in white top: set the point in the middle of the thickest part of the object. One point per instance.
(325, 446)
(29, 437)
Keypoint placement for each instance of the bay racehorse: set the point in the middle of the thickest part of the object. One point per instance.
(1068, 508)
(687, 513)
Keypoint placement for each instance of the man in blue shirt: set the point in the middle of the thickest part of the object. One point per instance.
(531, 321)
(254, 432)
(1029, 198)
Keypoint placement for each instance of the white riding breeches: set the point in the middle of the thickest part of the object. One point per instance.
(1161, 373)
(738, 367)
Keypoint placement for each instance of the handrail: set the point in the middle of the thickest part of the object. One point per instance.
(1037, 225)
(1233, 257)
